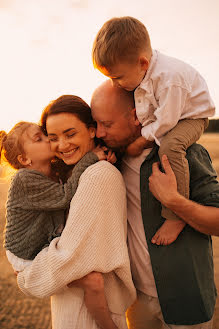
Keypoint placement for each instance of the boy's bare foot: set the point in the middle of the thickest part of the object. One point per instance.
(168, 232)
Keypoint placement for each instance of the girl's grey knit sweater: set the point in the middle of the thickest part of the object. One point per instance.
(36, 207)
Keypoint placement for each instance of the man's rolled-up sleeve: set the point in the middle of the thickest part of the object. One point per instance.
(204, 186)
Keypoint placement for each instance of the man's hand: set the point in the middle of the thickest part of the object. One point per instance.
(164, 188)
(163, 185)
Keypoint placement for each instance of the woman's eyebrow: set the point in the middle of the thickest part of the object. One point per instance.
(67, 130)
(64, 131)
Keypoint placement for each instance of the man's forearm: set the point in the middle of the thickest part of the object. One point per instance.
(202, 218)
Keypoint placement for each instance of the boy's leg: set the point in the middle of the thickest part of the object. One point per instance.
(174, 145)
(95, 300)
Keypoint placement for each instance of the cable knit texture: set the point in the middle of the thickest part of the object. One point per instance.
(94, 239)
(36, 207)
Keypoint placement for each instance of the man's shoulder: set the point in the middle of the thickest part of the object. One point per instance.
(204, 187)
(196, 148)
(197, 153)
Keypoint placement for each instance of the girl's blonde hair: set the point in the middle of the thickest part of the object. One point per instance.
(11, 144)
(120, 39)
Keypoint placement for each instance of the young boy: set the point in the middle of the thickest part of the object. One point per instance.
(171, 98)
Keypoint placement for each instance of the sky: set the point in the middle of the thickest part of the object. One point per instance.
(46, 46)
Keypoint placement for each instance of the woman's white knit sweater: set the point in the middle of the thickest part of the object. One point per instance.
(94, 239)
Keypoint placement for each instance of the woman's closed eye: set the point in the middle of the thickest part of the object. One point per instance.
(70, 135)
(53, 139)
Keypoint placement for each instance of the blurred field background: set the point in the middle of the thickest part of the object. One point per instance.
(18, 311)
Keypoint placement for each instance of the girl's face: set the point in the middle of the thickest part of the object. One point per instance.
(69, 137)
(36, 146)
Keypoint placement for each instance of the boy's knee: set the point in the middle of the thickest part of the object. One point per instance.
(94, 282)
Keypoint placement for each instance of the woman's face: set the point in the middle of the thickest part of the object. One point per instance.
(69, 137)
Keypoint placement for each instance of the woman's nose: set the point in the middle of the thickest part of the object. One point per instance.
(62, 144)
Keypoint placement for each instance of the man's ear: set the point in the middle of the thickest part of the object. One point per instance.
(23, 160)
(144, 62)
(136, 121)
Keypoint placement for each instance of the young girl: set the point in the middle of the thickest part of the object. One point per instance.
(37, 201)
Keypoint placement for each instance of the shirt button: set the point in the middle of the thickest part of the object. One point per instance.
(139, 101)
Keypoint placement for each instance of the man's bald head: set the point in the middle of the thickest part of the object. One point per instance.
(114, 111)
(120, 99)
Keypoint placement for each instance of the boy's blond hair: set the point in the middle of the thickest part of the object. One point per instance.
(120, 39)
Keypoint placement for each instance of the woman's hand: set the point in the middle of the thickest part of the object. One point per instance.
(93, 280)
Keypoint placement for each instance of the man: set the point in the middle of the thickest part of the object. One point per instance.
(175, 283)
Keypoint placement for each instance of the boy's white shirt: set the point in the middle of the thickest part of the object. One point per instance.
(170, 91)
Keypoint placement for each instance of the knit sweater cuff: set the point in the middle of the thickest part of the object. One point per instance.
(21, 285)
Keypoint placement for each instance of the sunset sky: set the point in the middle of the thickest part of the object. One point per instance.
(46, 46)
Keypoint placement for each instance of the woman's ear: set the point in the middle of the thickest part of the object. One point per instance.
(23, 160)
(92, 131)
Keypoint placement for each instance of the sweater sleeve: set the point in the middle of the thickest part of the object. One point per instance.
(94, 238)
(42, 193)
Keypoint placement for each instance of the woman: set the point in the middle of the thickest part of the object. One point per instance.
(94, 238)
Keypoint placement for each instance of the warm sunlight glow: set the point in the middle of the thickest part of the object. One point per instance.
(46, 46)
